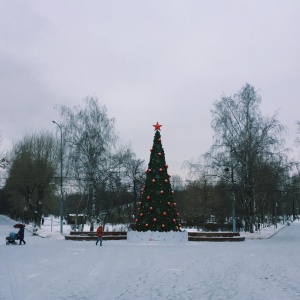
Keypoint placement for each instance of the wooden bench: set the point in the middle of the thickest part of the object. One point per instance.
(215, 237)
(92, 235)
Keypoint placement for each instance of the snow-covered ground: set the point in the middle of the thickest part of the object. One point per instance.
(54, 268)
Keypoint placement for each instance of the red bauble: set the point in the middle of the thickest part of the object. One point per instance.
(166, 180)
(136, 220)
(159, 139)
(153, 180)
(163, 225)
(151, 150)
(139, 203)
(159, 154)
(141, 214)
(174, 204)
(166, 166)
(169, 203)
(177, 214)
(151, 208)
(174, 220)
(149, 170)
(179, 225)
(169, 176)
(146, 225)
(161, 192)
(160, 169)
(154, 220)
(148, 197)
(164, 213)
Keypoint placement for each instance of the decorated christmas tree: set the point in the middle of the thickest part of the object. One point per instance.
(157, 210)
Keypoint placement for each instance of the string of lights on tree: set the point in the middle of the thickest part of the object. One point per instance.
(157, 209)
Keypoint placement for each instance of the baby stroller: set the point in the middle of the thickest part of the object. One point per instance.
(11, 239)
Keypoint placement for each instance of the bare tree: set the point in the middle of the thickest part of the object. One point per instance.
(92, 152)
(244, 142)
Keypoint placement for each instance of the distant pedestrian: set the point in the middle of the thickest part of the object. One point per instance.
(21, 236)
(99, 234)
(43, 220)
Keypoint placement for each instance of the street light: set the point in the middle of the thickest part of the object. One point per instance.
(232, 199)
(61, 178)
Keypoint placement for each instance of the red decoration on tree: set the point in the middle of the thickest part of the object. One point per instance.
(166, 180)
(154, 219)
(161, 192)
(148, 197)
(160, 170)
(159, 154)
(153, 180)
(157, 126)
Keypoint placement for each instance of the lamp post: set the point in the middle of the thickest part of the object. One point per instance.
(61, 178)
(232, 198)
(233, 202)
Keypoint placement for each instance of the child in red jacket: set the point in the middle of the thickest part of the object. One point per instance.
(99, 235)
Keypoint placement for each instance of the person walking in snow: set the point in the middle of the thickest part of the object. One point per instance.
(21, 235)
(99, 235)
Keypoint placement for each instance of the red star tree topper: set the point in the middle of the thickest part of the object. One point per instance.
(157, 126)
(157, 210)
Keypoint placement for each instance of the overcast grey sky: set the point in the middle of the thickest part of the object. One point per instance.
(147, 61)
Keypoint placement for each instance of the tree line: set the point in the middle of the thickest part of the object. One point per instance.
(245, 178)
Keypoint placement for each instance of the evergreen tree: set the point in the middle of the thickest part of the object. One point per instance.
(157, 210)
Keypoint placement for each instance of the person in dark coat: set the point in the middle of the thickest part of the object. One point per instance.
(99, 235)
(21, 236)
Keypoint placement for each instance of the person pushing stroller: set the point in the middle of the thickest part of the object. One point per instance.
(21, 235)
